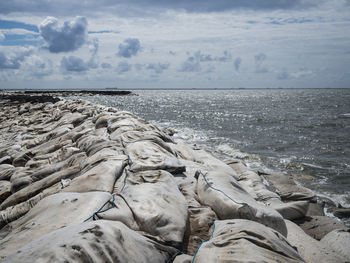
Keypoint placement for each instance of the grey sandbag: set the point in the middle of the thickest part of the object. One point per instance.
(339, 241)
(312, 250)
(95, 241)
(39, 174)
(36, 187)
(99, 178)
(229, 200)
(157, 205)
(245, 241)
(148, 155)
(51, 213)
(287, 188)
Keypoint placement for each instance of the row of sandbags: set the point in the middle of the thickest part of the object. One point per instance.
(91, 184)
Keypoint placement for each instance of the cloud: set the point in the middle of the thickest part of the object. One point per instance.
(123, 67)
(106, 65)
(192, 64)
(225, 58)
(259, 60)
(129, 48)
(13, 61)
(158, 67)
(64, 38)
(75, 64)
(127, 7)
(38, 67)
(2, 36)
(301, 73)
(237, 63)
(173, 53)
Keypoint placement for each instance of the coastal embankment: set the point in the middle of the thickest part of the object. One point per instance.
(81, 182)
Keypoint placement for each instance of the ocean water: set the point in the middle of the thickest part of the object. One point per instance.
(304, 132)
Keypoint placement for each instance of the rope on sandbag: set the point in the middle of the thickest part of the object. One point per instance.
(100, 210)
(206, 181)
(211, 236)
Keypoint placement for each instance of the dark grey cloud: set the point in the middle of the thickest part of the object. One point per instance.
(173, 53)
(76, 64)
(123, 67)
(130, 47)
(64, 38)
(133, 7)
(237, 63)
(13, 61)
(259, 63)
(158, 68)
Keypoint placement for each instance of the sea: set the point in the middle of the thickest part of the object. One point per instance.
(302, 132)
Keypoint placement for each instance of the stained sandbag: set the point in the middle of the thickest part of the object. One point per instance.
(200, 220)
(287, 188)
(39, 174)
(119, 211)
(53, 145)
(99, 178)
(319, 226)
(54, 157)
(98, 241)
(36, 187)
(339, 241)
(148, 155)
(6, 171)
(245, 241)
(229, 200)
(310, 249)
(5, 190)
(51, 213)
(132, 136)
(157, 205)
(183, 259)
(201, 157)
(291, 210)
(135, 124)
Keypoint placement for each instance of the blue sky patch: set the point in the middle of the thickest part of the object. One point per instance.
(7, 24)
(20, 40)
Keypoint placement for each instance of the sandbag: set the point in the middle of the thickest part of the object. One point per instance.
(319, 226)
(100, 178)
(132, 136)
(287, 188)
(51, 213)
(157, 205)
(229, 200)
(98, 241)
(39, 174)
(5, 190)
(6, 171)
(200, 220)
(148, 155)
(245, 241)
(339, 241)
(36, 187)
(310, 249)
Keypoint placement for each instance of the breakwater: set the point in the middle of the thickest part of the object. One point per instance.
(84, 182)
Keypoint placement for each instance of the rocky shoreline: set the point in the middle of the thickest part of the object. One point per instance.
(87, 183)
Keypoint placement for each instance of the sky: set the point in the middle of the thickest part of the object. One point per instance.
(145, 44)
